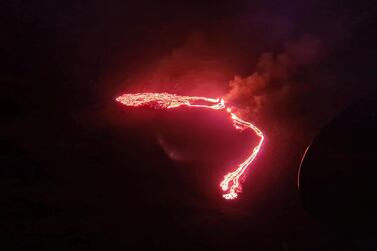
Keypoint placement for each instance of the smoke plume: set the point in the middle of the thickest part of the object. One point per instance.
(278, 76)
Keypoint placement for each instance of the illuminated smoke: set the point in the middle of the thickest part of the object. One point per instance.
(231, 182)
(196, 67)
(275, 76)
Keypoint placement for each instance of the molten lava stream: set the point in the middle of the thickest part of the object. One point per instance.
(231, 182)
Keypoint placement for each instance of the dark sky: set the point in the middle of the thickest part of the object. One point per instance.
(80, 172)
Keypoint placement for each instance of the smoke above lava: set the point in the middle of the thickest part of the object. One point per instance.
(283, 84)
(275, 75)
(281, 88)
(194, 68)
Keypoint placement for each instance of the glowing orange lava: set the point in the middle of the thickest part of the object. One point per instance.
(231, 183)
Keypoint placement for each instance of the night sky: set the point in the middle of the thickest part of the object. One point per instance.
(79, 171)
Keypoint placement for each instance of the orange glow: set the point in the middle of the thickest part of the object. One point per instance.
(231, 183)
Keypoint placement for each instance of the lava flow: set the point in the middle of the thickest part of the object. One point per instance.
(231, 183)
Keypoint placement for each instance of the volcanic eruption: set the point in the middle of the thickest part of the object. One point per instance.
(231, 181)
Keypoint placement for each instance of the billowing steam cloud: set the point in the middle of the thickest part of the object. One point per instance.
(275, 76)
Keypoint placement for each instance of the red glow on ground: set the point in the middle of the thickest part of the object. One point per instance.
(231, 182)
